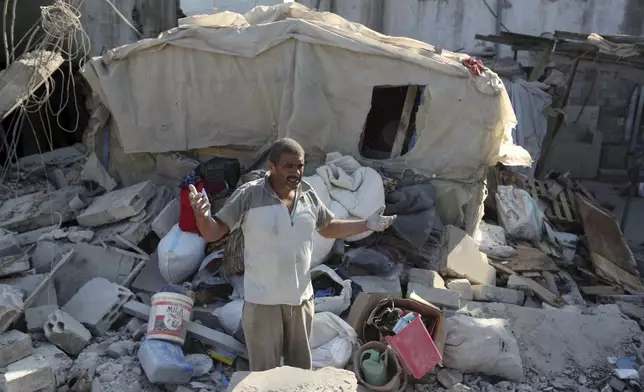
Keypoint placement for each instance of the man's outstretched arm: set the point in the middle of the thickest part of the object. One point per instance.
(341, 228)
(210, 229)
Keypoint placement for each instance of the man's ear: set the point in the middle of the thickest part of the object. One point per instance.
(271, 166)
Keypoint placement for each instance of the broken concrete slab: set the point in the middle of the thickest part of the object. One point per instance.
(31, 237)
(88, 262)
(439, 297)
(39, 209)
(93, 170)
(24, 76)
(136, 228)
(117, 205)
(426, 277)
(290, 379)
(10, 305)
(149, 279)
(59, 362)
(98, 304)
(168, 217)
(11, 265)
(516, 283)
(463, 286)
(9, 245)
(206, 335)
(631, 310)
(174, 166)
(378, 285)
(487, 293)
(36, 317)
(14, 345)
(569, 339)
(28, 284)
(460, 258)
(570, 291)
(32, 373)
(449, 377)
(67, 333)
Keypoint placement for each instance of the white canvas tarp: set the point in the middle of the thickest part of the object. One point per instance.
(230, 79)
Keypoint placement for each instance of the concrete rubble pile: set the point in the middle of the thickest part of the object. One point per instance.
(82, 258)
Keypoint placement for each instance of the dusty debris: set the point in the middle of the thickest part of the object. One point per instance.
(285, 379)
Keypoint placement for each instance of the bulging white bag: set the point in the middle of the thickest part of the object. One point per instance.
(519, 213)
(333, 341)
(180, 254)
(230, 316)
(482, 346)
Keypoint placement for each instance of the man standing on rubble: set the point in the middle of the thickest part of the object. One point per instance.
(278, 215)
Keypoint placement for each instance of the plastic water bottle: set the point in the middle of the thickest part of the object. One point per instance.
(163, 362)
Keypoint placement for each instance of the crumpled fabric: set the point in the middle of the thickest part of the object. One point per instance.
(415, 206)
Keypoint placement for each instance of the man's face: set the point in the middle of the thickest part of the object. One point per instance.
(288, 172)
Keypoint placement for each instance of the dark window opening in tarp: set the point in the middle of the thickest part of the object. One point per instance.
(388, 104)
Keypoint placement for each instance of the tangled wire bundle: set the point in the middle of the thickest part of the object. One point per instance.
(60, 20)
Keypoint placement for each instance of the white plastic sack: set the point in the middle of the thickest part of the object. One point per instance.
(358, 189)
(180, 254)
(519, 213)
(482, 346)
(230, 316)
(336, 304)
(333, 341)
(491, 241)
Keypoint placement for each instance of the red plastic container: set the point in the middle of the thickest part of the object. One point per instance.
(415, 348)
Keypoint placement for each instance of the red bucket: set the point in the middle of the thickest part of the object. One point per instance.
(415, 348)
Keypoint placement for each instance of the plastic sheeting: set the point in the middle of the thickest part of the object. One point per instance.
(529, 102)
(231, 79)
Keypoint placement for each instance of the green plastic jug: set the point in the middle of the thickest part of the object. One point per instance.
(374, 367)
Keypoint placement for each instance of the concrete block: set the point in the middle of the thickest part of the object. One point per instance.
(378, 285)
(168, 217)
(36, 317)
(487, 293)
(29, 283)
(460, 258)
(117, 205)
(426, 277)
(462, 286)
(97, 304)
(14, 345)
(136, 228)
(88, 261)
(37, 210)
(59, 362)
(67, 333)
(27, 375)
(149, 279)
(438, 297)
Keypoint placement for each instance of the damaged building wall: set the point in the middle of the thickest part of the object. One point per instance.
(452, 24)
(107, 30)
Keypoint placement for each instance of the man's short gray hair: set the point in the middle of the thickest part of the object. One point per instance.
(284, 146)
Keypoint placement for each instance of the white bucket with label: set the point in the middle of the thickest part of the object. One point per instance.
(169, 317)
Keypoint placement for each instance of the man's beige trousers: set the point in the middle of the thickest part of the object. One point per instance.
(273, 331)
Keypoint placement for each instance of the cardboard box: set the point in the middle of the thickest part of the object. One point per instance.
(366, 303)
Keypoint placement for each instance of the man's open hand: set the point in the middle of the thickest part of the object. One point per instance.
(199, 202)
(378, 222)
